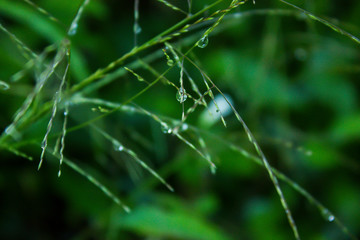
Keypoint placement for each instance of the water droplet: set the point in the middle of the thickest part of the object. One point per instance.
(118, 146)
(4, 86)
(137, 28)
(181, 95)
(59, 173)
(165, 129)
(66, 113)
(184, 127)
(9, 130)
(73, 29)
(328, 215)
(203, 42)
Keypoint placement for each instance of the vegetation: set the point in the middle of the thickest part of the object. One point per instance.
(221, 119)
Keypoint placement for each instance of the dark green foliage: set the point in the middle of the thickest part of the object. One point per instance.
(124, 100)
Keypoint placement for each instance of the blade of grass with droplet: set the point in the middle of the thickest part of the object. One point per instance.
(190, 110)
(74, 25)
(177, 59)
(169, 62)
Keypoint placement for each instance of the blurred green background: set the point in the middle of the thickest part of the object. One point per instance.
(294, 81)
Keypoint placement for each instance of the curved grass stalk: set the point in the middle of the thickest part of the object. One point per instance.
(98, 184)
(120, 147)
(62, 139)
(43, 11)
(139, 78)
(56, 100)
(205, 156)
(168, 130)
(325, 22)
(166, 3)
(16, 152)
(79, 170)
(75, 23)
(25, 51)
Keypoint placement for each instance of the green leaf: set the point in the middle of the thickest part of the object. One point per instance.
(154, 221)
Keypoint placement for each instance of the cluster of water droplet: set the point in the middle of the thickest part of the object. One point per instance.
(73, 29)
(181, 95)
(328, 215)
(165, 128)
(203, 42)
